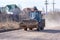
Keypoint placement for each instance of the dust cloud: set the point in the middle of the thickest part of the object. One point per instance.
(52, 20)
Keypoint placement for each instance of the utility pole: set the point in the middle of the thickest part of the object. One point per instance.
(53, 5)
(46, 3)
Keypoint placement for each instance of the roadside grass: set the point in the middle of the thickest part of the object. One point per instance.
(8, 26)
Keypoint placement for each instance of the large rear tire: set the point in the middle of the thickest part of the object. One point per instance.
(30, 28)
(41, 25)
(42, 28)
(38, 29)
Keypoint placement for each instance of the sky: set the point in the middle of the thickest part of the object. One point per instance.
(31, 3)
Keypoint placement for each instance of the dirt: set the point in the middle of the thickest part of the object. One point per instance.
(46, 34)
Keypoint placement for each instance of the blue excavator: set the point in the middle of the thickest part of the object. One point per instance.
(36, 20)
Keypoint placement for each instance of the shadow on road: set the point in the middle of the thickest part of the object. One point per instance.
(47, 31)
(1, 31)
(51, 31)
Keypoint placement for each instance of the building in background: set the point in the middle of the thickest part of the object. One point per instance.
(3, 10)
(13, 9)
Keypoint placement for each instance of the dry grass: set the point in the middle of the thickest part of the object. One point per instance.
(9, 25)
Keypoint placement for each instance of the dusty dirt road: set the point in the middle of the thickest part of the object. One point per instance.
(47, 34)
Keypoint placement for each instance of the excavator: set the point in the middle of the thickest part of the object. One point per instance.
(36, 21)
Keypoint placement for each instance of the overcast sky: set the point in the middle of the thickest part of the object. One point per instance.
(30, 3)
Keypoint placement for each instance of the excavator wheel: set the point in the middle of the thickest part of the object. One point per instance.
(30, 28)
(25, 29)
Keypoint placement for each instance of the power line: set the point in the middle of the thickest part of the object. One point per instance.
(53, 5)
(46, 3)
